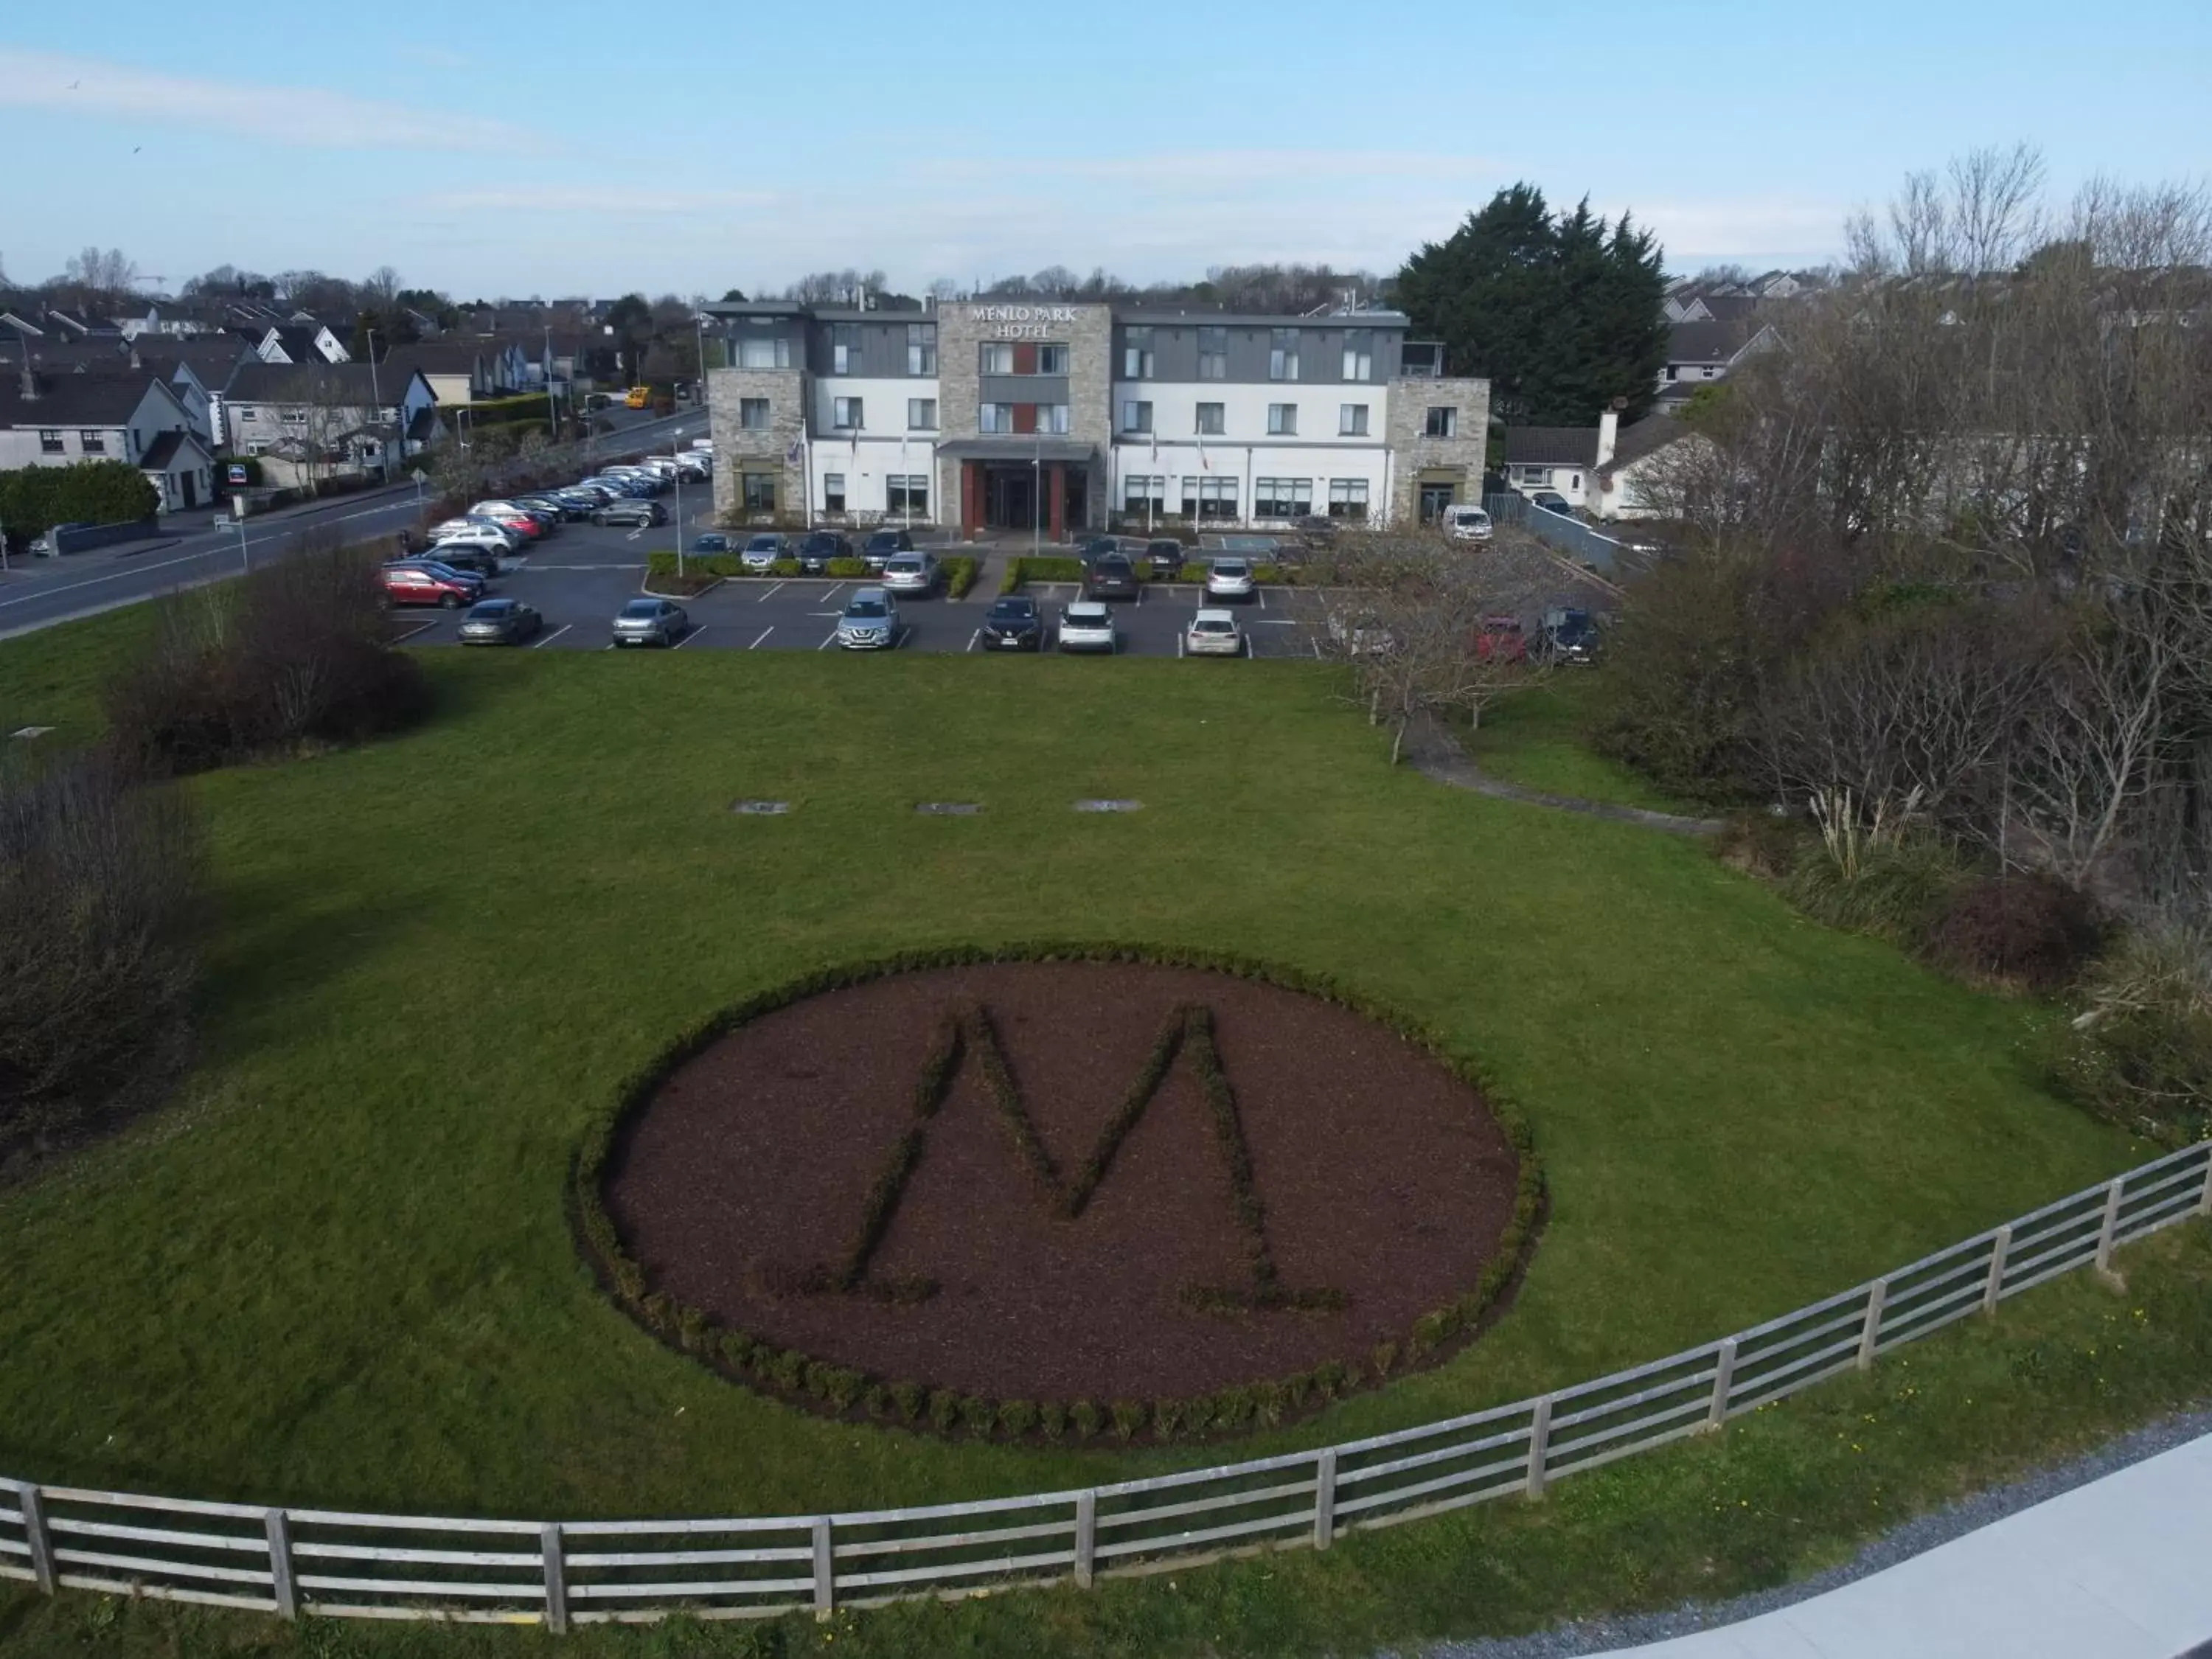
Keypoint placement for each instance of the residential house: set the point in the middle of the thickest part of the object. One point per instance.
(313, 421)
(1701, 353)
(454, 368)
(64, 419)
(301, 343)
(1625, 480)
(1562, 458)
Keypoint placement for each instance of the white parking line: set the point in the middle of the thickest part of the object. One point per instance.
(973, 637)
(763, 598)
(832, 594)
(827, 643)
(1262, 592)
(634, 534)
(690, 636)
(764, 632)
(1273, 621)
(541, 644)
(1178, 641)
(1140, 595)
(419, 628)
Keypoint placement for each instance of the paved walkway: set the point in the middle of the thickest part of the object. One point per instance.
(2119, 1569)
(1435, 753)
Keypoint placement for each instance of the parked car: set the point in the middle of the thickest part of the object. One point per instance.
(1012, 624)
(870, 621)
(1313, 530)
(420, 582)
(1109, 576)
(1213, 634)
(1086, 625)
(1230, 579)
(1499, 639)
(762, 551)
(1568, 636)
(1467, 524)
(651, 621)
(588, 496)
(515, 517)
(1165, 557)
(1359, 636)
(487, 539)
(644, 514)
(484, 530)
(1098, 547)
(1550, 501)
(559, 506)
(713, 542)
(911, 572)
(882, 543)
(819, 548)
(469, 556)
(49, 545)
(500, 622)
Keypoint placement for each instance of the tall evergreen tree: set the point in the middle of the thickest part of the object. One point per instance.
(1562, 314)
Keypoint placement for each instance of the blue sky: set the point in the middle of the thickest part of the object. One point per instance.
(557, 148)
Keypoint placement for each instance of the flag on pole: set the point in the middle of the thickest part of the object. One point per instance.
(1204, 463)
(791, 455)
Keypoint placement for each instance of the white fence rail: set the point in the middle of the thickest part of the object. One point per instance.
(560, 1573)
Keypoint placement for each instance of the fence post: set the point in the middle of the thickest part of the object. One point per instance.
(1723, 1380)
(34, 1532)
(1998, 1252)
(2107, 1232)
(1539, 1431)
(2204, 1204)
(556, 1577)
(278, 1526)
(1871, 1331)
(1325, 1498)
(1086, 1538)
(825, 1597)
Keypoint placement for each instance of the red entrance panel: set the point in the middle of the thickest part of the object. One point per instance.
(1058, 486)
(971, 499)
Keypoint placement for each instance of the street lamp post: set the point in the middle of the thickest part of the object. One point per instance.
(1036, 499)
(376, 413)
(672, 437)
(552, 412)
(245, 559)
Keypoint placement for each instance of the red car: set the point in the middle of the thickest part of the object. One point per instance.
(430, 584)
(1500, 639)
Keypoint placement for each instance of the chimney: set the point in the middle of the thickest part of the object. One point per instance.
(1608, 435)
(30, 381)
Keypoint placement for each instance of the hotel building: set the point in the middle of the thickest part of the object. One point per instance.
(1058, 417)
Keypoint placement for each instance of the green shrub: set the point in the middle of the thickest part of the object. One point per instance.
(1761, 843)
(1197, 1416)
(877, 1402)
(817, 1380)
(959, 575)
(1128, 1417)
(978, 1416)
(1299, 1389)
(944, 1410)
(1270, 1401)
(1017, 1418)
(1167, 1418)
(691, 1330)
(737, 1348)
(1038, 569)
(1052, 1418)
(909, 1398)
(1900, 887)
(2141, 1053)
(784, 567)
(847, 571)
(34, 499)
(1328, 1379)
(844, 1385)
(1232, 1408)
(659, 1310)
(2031, 930)
(788, 1369)
(1084, 1418)
(1385, 1357)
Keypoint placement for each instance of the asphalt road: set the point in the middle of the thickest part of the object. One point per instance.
(37, 593)
(580, 575)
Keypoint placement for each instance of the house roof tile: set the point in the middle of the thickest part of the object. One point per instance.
(1561, 446)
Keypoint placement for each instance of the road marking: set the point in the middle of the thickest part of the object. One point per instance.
(634, 534)
(904, 635)
(764, 597)
(825, 613)
(690, 634)
(1316, 645)
(419, 628)
(1273, 621)
(1262, 594)
(1141, 596)
(554, 635)
(973, 637)
(832, 594)
(764, 632)
(1178, 643)
(584, 567)
(827, 643)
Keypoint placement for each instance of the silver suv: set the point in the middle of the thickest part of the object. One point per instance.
(869, 623)
(911, 572)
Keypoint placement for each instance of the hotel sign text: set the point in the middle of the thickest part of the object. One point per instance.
(1021, 322)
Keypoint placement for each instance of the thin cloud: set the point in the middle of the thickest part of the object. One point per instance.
(303, 116)
(611, 200)
(1212, 169)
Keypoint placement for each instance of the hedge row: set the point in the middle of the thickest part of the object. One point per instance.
(1036, 569)
(959, 573)
(839, 1388)
(34, 499)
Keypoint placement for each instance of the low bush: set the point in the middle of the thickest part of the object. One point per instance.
(1052, 1418)
(99, 882)
(978, 1416)
(1038, 569)
(849, 571)
(1897, 890)
(665, 565)
(1128, 1417)
(784, 567)
(34, 499)
(959, 575)
(2140, 1053)
(1083, 1417)
(909, 1398)
(944, 1410)
(1761, 843)
(2031, 930)
(296, 652)
(1017, 1418)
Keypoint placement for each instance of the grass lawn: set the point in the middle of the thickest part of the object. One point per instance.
(338, 1271)
(1534, 738)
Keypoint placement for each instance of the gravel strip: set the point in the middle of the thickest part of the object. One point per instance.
(1598, 1636)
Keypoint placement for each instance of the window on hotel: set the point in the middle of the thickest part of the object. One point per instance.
(1359, 354)
(1351, 420)
(764, 352)
(921, 349)
(922, 414)
(1210, 420)
(845, 414)
(1213, 354)
(1139, 495)
(1052, 417)
(1209, 498)
(1052, 359)
(844, 348)
(1136, 354)
(760, 492)
(1281, 498)
(1136, 417)
(1283, 354)
(833, 492)
(994, 417)
(1347, 498)
(752, 412)
(906, 494)
(1443, 422)
(1282, 420)
(998, 359)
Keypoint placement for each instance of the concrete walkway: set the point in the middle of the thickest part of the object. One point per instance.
(2119, 1569)
(1435, 753)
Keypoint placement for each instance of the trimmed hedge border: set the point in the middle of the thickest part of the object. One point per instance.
(841, 1391)
(959, 569)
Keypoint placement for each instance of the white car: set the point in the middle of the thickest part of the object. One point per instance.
(1213, 634)
(1086, 625)
(1230, 579)
(1357, 637)
(452, 529)
(1466, 524)
(702, 445)
(484, 538)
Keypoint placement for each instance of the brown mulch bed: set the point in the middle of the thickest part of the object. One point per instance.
(1383, 1176)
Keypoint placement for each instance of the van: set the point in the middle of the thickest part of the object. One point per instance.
(639, 398)
(1466, 524)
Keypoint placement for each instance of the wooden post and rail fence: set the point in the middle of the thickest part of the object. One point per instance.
(335, 1563)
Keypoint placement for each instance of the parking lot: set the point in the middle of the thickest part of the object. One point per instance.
(581, 575)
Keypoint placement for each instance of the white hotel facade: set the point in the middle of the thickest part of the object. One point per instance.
(1060, 418)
